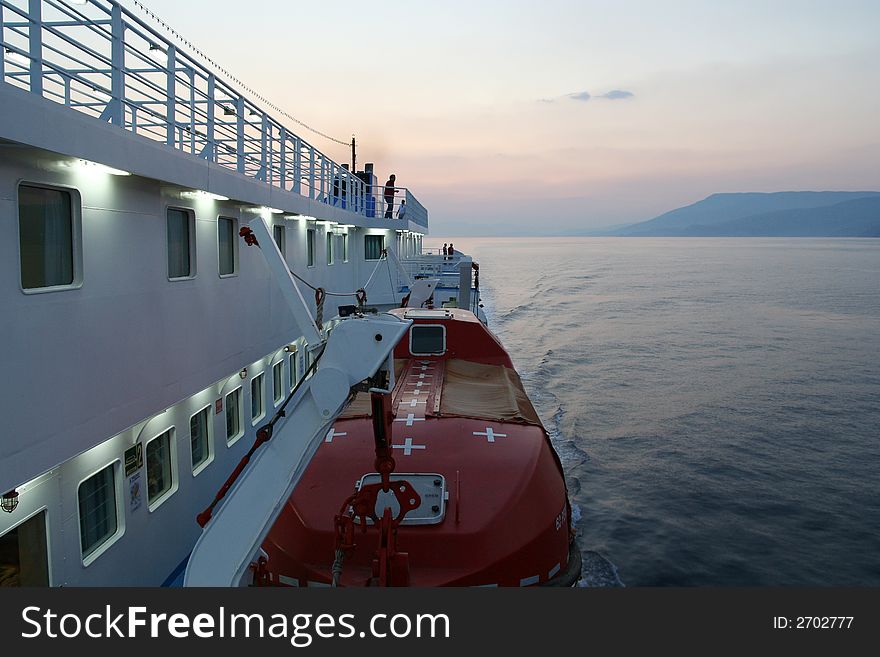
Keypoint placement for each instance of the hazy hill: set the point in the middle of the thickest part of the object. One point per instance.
(724, 214)
(857, 218)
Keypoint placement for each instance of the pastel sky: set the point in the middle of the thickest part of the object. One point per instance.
(555, 116)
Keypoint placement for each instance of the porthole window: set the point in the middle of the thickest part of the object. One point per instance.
(201, 445)
(291, 371)
(181, 243)
(310, 247)
(257, 398)
(280, 236)
(48, 238)
(227, 245)
(373, 246)
(234, 429)
(98, 511)
(160, 470)
(278, 382)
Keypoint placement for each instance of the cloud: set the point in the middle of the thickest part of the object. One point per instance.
(617, 94)
(585, 96)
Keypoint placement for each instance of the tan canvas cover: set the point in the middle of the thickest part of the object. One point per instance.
(487, 392)
(490, 392)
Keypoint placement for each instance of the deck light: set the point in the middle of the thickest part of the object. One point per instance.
(17, 58)
(9, 501)
(85, 165)
(271, 210)
(205, 195)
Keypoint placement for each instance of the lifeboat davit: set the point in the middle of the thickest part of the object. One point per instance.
(477, 494)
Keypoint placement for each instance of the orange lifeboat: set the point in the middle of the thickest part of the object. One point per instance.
(477, 494)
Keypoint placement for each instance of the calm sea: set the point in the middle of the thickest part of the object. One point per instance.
(715, 402)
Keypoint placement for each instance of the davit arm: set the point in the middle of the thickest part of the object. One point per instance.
(358, 349)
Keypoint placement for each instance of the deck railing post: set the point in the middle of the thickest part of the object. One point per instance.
(239, 132)
(3, 58)
(209, 128)
(192, 109)
(117, 59)
(264, 145)
(312, 165)
(35, 45)
(283, 158)
(171, 96)
(297, 164)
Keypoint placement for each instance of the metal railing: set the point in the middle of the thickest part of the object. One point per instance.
(98, 58)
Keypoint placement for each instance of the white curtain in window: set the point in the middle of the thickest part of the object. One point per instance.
(46, 237)
(178, 244)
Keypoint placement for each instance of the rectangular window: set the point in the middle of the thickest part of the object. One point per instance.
(278, 381)
(344, 247)
(427, 340)
(373, 246)
(159, 475)
(200, 438)
(45, 233)
(310, 245)
(234, 430)
(180, 243)
(329, 248)
(98, 521)
(227, 241)
(280, 236)
(257, 397)
(291, 370)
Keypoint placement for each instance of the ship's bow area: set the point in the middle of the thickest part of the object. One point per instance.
(493, 506)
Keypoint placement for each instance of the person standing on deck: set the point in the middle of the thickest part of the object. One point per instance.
(444, 250)
(451, 251)
(389, 197)
(401, 213)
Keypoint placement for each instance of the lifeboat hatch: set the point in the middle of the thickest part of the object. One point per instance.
(430, 487)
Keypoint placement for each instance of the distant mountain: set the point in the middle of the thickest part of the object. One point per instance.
(857, 218)
(789, 214)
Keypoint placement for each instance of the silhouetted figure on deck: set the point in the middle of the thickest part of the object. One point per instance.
(451, 251)
(389, 197)
(444, 251)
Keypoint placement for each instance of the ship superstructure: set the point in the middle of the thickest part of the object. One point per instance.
(144, 344)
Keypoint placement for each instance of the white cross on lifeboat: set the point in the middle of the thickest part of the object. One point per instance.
(409, 419)
(490, 434)
(415, 402)
(408, 447)
(422, 376)
(332, 434)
